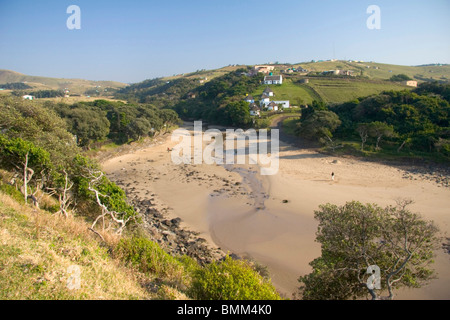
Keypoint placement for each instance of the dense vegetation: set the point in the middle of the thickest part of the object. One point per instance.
(399, 77)
(217, 101)
(41, 157)
(158, 92)
(47, 93)
(15, 86)
(220, 100)
(101, 119)
(407, 121)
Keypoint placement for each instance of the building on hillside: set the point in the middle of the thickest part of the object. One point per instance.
(284, 104)
(346, 73)
(249, 99)
(273, 79)
(332, 72)
(255, 110)
(272, 106)
(264, 69)
(28, 97)
(265, 100)
(306, 80)
(268, 92)
(410, 83)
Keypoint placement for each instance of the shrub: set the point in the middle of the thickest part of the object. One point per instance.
(147, 256)
(231, 280)
(13, 192)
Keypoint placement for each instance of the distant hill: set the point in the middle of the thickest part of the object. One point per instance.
(168, 90)
(380, 71)
(78, 86)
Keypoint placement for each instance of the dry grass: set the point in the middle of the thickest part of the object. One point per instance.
(37, 249)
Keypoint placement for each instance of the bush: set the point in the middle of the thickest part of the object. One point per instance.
(231, 280)
(13, 192)
(147, 256)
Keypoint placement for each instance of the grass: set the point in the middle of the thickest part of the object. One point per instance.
(37, 250)
(295, 93)
(343, 90)
(329, 90)
(382, 71)
(43, 83)
(289, 125)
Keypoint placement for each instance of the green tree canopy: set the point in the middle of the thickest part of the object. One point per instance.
(356, 237)
(400, 77)
(319, 125)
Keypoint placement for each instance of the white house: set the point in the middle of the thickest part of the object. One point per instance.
(285, 104)
(28, 97)
(273, 80)
(255, 110)
(249, 99)
(265, 100)
(268, 92)
(272, 106)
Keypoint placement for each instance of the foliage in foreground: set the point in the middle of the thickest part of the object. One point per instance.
(231, 280)
(358, 238)
(41, 252)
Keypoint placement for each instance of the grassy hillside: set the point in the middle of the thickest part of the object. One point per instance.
(78, 86)
(206, 74)
(382, 71)
(342, 90)
(296, 93)
(329, 90)
(37, 249)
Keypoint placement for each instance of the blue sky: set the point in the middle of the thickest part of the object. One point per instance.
(130, 41)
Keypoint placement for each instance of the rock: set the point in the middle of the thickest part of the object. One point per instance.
(176, 222)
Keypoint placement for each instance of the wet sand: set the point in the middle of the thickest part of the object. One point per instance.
(271, 218)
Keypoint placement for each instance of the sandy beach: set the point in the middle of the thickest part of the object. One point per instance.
(271, 218)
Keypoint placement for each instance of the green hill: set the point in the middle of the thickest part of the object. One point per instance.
(329, 90)
(76, 86)
(377, 71)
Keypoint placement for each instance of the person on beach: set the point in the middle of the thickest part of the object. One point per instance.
(332, 176)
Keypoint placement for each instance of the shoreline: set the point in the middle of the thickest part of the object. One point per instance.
(221, 207)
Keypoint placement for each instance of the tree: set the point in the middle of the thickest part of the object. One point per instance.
(363, 131)
(138, 128)
(24, 158)
(63, 192)
(319, 125)
(357, 239)
(112, 201)
(400, 77)
(88, 125)
(379, 129)
(238, 113)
